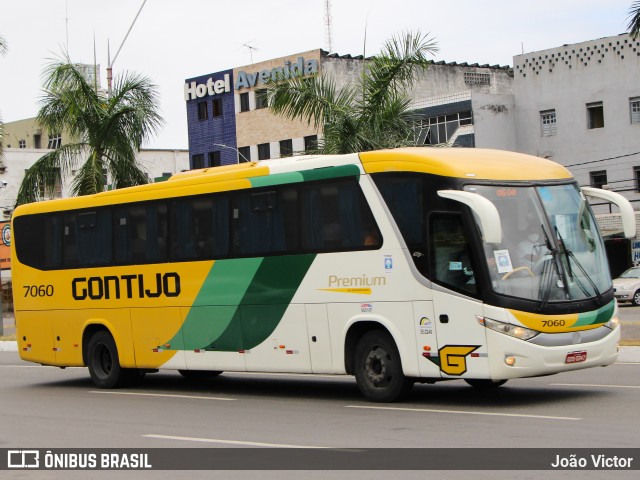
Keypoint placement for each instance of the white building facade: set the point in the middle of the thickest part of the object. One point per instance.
(579, 105)
(157, 163)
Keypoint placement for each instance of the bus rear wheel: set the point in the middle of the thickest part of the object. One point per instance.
(378, 368)
(104, 363)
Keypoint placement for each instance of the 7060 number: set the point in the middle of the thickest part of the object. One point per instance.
(553, 323)
(38, 290)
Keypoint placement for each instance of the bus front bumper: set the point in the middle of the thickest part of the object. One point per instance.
(514, 358)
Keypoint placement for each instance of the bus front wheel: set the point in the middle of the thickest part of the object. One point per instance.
(378, 368)
(104, 363)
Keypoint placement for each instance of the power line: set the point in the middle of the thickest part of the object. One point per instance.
(602, 160)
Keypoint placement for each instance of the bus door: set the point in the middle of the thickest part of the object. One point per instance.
(461, 340)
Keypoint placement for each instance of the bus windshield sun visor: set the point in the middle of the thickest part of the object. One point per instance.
(486, 213)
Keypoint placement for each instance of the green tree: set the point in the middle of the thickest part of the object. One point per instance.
(105, 132)
(369, 115)
(3, 50)
(634, 20)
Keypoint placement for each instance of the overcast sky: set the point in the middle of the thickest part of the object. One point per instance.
(177, 39)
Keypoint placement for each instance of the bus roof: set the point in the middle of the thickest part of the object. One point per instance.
(483, 164)
(475, 163)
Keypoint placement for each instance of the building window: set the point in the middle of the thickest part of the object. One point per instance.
(214, 159)
(548, 121)
(198, 161)
(310, 143)
(244, 154)
(595, 115)
(264, 152)
(56, 189)
(22, 144)
(203, 112)
(55, 141)
(244, 102)
(261, 99)
(598, 179)
(37, 141)
(217, 107)
(286, 148)
(438, 130)
(636, 177)
(634, 104)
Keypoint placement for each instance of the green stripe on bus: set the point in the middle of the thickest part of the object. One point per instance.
(264, 303)
(331, 172)
(602, 315)
(217, 301)
(278, 179)
(305, 176)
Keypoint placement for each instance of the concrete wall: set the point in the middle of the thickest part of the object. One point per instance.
(493, 118)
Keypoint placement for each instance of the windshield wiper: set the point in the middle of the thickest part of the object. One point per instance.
(570, 256)
(547, 276)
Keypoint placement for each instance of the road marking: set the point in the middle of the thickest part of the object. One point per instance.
(592, 385)
(106, 392)
(228, 442)
(463, 412)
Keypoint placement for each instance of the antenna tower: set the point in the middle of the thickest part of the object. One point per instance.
(251, 48)
(327, 25)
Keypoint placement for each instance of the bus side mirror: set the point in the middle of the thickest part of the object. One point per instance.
(626, 210)
(486, 213)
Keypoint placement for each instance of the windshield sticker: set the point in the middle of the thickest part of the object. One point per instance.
(503, 261)
(455, 266)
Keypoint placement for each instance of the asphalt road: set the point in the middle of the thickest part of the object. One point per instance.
(47, 407)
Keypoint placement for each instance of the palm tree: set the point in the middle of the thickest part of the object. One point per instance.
(371, 115)
(106, 132)
(634, 22)
(3, 50)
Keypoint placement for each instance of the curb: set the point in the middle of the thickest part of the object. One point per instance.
(625, 354)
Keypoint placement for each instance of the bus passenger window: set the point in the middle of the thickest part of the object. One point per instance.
(266, 222)
(336, 217)
(451, 259)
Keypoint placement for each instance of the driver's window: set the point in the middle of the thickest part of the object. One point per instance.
(451, 259)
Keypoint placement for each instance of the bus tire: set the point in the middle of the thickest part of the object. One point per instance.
(104, 363)
(198, 375)
(378, 368)
(484, 383)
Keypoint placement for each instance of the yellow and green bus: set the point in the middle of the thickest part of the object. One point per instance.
(396, 266)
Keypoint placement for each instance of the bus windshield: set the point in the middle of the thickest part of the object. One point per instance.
(551, 250)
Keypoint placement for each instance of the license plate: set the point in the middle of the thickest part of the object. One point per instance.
(576, 357)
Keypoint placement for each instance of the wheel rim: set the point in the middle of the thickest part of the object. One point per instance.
(377, 367)
(636, 298)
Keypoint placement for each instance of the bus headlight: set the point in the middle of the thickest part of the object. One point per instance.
(508, 329)
(613, 323)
